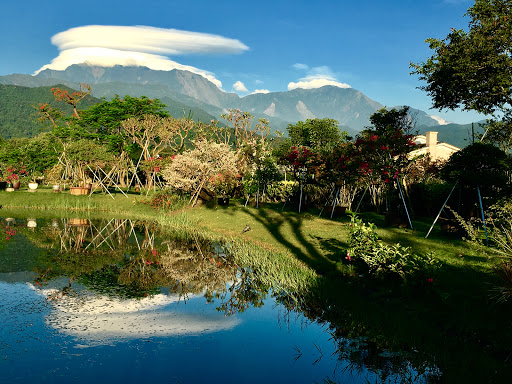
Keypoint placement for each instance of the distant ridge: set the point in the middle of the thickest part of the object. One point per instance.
(185, 91)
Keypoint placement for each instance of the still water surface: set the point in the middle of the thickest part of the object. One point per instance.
(122, 301)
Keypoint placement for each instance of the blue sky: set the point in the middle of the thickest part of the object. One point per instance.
(258, 45)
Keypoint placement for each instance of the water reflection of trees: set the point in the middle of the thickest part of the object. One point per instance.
(365, 349)
(127, 258)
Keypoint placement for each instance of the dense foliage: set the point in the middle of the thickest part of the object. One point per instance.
(473, 69)
(478, 164)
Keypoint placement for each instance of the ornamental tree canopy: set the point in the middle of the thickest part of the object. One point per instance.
(473, 69)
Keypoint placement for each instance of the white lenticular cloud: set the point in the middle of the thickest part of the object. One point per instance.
(310, 83)
(300, 66)
(261, 91)
(107, 45)
(146, 39)
(239, 86)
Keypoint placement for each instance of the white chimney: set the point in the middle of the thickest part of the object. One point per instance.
(431, 144)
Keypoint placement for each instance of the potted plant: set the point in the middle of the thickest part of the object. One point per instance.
(33, 183)
(83, 155)
(224, 184)
(53, 177)
(12, 175)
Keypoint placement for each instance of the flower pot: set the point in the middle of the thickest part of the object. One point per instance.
(16, 185)
(78, 222)
(32, 186)
(56, 188)
(3, 184)
(79, 191)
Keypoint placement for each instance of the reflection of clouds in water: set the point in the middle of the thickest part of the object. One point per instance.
(99, 319)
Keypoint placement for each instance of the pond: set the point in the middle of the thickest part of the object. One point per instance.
(122, 300)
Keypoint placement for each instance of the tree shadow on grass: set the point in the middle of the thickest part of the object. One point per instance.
(334, 249)
(299, 244)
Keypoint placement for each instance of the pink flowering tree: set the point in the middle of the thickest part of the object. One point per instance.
(208, 166)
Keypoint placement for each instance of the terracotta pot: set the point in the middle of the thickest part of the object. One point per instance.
(16, 185)
(78, 222)
(79, 191)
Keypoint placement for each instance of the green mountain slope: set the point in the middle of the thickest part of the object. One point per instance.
(17, 112)
(183, 91)
(455, 134)
(18, 115)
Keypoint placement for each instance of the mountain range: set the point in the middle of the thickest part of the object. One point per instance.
(184, 91)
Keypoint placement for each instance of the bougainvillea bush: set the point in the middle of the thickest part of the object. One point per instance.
(12, 173)
(298, 159)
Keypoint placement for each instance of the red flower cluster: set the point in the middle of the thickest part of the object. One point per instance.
(298, 157)
(12, 173)
(9, 233)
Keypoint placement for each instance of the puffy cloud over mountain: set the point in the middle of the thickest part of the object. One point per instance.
(317, 77)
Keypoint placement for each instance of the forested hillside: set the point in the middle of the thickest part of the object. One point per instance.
(18, 109)
(459, 135)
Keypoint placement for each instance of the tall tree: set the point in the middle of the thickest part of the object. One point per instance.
(103, 121)
(317, 134)
(472, 69)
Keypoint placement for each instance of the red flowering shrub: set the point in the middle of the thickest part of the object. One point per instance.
(12, 173)
(382, 151)
(299, 159)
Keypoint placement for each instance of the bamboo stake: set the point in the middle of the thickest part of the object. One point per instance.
(482, 212)
(441, 210)
(405, 205)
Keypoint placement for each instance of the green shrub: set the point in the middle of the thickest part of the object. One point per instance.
(275, 191)
(427, 198)
(384, 260)
(362, 238)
